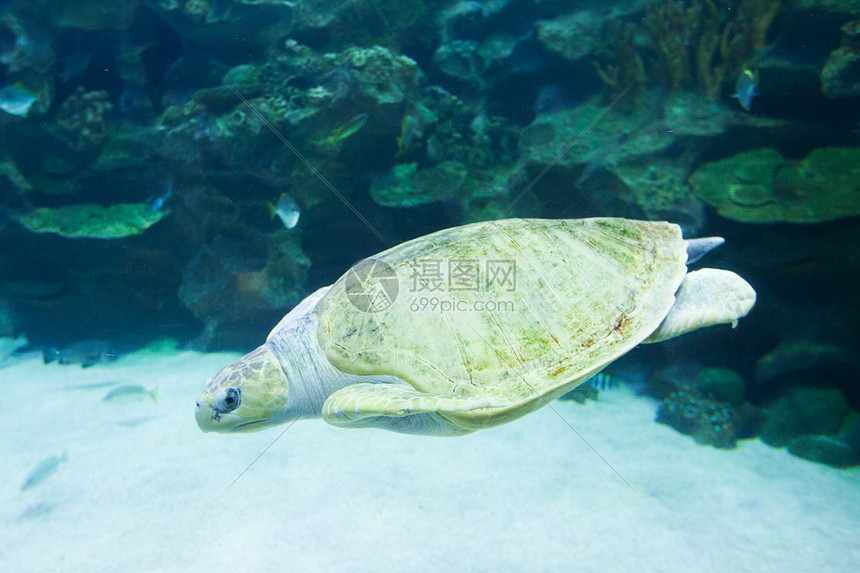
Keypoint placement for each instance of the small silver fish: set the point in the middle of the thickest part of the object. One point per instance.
(135, 422)
(43, 470)
(745, 88)
(130, 392)
(159, 202)
(36, 511)
(92, 385)
(86, 353)
(287, 210)
(17, 100)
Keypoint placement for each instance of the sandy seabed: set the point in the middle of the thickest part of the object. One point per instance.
(144, 490)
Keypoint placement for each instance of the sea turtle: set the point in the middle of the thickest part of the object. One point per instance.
(474, 326)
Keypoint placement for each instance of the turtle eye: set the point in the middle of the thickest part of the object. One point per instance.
(228, 400)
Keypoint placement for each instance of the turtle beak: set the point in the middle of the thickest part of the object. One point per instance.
(206, 417)
(209, 419)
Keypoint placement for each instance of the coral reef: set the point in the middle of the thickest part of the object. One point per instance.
(702, 42)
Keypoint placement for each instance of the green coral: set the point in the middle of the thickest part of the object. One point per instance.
(92, 221)
(761, 186)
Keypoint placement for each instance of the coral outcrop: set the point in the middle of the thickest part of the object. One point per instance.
(840, 76)
(761, 186)
(92, 221)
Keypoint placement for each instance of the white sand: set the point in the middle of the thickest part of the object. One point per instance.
(529, 496)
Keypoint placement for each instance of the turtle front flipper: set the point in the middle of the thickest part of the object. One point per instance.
(401, 408)
(706, 297)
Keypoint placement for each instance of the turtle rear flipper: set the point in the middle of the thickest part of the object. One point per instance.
(706, 297)
(401, 408)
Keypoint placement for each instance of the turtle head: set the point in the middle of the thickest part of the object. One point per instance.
(250, 394)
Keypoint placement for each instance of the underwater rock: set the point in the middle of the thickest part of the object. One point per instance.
(705, 403)
(467, 18)
(240, 279)
(129, 148)
(840, 76)
(792, 357)
(581, 394)
(706, 420)
(91, 220)
(801, 412)
(825, 450)
(243, 75)
(97, 15)
(575, 35)
(460, 59)
(761, 186)
(629, 164)
(9, 344)
(839, 451)
(380, 75)
(835, 6)
(480, 48)
(675, 378)
(26, 48)
(408, 186)
(741, 186)
(12, 183)
(657, 187)
(7, 319)
(723, 384)
(82, 120)
(333, 24)
(221, 29)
